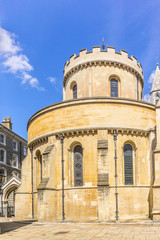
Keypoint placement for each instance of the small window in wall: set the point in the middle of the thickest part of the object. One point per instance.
(15, 160)
(78, 166)
(25, 151)
(15, 145)
(75, 91)
(128, 164)
(114, 88)
(2, 138)
(2, 155)
(3, 173)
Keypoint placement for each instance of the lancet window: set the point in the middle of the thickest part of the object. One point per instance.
(128, 164)
(75, 91)
(78, 166)
(114, 88)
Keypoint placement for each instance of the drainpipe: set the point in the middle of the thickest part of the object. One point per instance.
(116, 176)
(137, 86)
(31, 150)
(63, 213)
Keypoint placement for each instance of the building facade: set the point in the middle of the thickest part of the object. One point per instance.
(95, 155)
(13, 149)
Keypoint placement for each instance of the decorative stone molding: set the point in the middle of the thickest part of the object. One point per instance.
(74, 133)
(38, 140)
(101, 63)
(89, 131)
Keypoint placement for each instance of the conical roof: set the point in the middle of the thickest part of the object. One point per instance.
(156, 81)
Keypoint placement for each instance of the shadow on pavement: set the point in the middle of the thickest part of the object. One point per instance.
(10, 226)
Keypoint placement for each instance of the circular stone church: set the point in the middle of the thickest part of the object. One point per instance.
(95, 156)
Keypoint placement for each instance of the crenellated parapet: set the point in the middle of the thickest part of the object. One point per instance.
(98, 57)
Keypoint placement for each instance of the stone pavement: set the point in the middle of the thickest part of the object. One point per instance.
(78, 231)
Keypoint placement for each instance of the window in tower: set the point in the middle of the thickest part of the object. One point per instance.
(75, 91)
(114, 88)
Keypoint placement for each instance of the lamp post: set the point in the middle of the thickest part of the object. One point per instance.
(116, 176)
(2, 177)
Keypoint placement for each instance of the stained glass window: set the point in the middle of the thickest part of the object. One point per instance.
(128, 164)
(78, 166)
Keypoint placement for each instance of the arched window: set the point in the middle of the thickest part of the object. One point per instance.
(75, 91)
(128, 164)
(78, 166)
(2, 155)
(38, 167)
(114, 88)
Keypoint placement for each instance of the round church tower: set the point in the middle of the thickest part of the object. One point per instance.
(75, 145)
(102, 74)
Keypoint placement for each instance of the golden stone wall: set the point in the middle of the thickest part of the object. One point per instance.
(85, 122)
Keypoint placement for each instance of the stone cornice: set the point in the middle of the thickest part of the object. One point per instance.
(95, 100)
(89, 131)
(95, 63)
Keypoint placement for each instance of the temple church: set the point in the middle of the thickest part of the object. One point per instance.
(95, 156)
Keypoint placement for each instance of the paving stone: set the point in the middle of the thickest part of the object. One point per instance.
(72, 231)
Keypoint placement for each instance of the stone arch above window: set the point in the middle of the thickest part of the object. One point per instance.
(2, 155)
(78, 165)
(128, 163)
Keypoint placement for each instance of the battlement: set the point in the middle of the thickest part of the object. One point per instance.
(109, 56)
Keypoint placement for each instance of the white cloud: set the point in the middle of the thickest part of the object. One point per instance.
(146, 98)
(7, 43)
(151, 77)
(52, 79)
(17, 63)
(14, 61)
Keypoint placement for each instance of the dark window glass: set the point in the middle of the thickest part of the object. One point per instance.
(75, 91)
(78, 166)
(14, 145)
(128, 164)
(1, 138)
(2, 173)
(114, 88)
(1, 155)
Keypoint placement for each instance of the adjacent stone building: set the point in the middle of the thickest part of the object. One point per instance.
(95, 155)
(13, 149)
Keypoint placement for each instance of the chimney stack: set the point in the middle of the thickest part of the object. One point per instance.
(7, 123)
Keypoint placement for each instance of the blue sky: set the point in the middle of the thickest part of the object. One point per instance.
(38, 36)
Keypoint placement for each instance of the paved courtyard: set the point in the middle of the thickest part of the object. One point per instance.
(51, 231)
